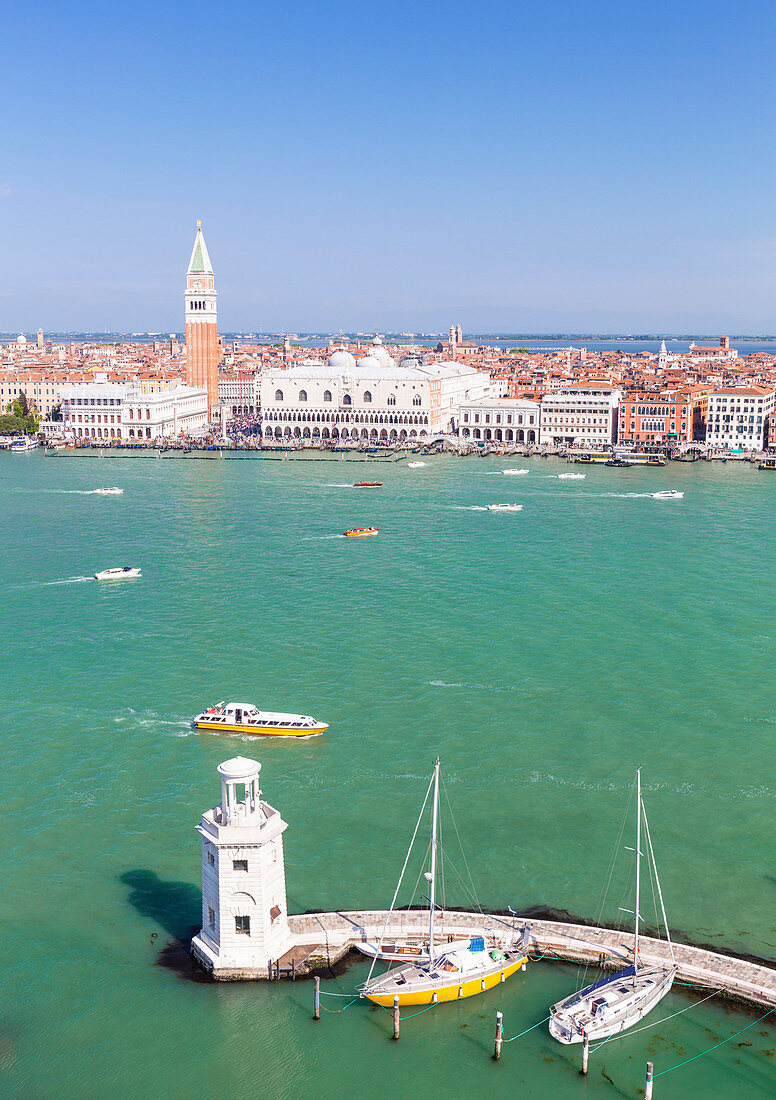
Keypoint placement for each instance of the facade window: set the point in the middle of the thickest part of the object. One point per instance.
(346, 400)
(211, 859)
(242, 926)
(211, 917)
(367, 397)
(240, 864)
(392, 399)
(278, 395)
(466, 418)
(327, 395)
(417, 400)
(303, 395)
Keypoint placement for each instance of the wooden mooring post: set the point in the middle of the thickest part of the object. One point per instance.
(585, 1053)
(499, 1037)
(396, 1017)
(648, 1083)
(317, 999)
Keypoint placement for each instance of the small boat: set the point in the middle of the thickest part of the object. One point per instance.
(415, 465)
(623, 463)
(767, 464)
(121, 574)
(245, 718)
(108, 491)
(23, 443)
(514, 473)
(620, 1000)
(367, 484)
(572, 477)
(441, 972)
(668, 494)
(361, 532)
(505, 507)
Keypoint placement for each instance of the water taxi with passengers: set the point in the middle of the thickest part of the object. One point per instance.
(118, 574)
(441, 972)
(361, 532)
(246, 718)
(505, 507)
(367, 484)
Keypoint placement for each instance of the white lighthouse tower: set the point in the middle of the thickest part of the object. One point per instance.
(244, 919)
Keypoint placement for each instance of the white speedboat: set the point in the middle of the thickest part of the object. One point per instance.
(572, 477)
(514, 473)
(108, 491)
(505, 507)
(619, 1000)
(668, 494)
(24, 443)
(119, 574)
(246, 718)
(415, 465)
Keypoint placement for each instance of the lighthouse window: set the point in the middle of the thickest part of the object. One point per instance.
(211, 859)
(242, 926)
(240, 864)
(211, 917)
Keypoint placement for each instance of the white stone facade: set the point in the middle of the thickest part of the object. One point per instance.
(738, 417)
(244, 915)
(130, 411)
(500, 419)
(240, 395)
(582, 416)
(369, 399)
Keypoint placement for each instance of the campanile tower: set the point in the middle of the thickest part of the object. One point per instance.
(201, 316)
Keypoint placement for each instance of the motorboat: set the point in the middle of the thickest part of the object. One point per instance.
(246, 718)
(668, 494)
(620, 1000)
(441, 972)
(23, 443)
(367, 484)
(108, 491)
(410, 949)
(767, 464)
(623, 463)
(119, 574)
(572, 477)
(415, 465)
(505, 507)
(361, 532)
(514, 473)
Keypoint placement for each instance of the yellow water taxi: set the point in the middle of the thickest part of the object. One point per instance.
(245, 718)
(444, 972)
(361, 532)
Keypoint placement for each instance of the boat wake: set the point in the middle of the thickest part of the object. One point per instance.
(339, 484)
(467, 507)
(471, 687)
(317, 538)
(67, 580)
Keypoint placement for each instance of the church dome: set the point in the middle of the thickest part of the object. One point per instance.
(370, 363)
(342, 360)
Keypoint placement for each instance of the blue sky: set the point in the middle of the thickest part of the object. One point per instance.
(516, 167)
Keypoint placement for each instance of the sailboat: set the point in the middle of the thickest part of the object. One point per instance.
(440, 972)
(620, 1000)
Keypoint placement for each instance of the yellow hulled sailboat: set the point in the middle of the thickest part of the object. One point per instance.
(447, 972)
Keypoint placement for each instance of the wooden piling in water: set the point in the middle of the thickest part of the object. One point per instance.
(585, 1053)
(648, 1083)
(317, 999)
(499, 1033)
(396, 1017)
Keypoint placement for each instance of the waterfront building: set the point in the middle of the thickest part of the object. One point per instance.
(244, 915)
(583, 416)
(41, 391)
(369, 398)
(738, 417)
(240, 392)
(656, 418)
(500, 419)
(131, 411)
(201, 324)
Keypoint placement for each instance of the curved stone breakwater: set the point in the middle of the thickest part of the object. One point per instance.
(321, 939)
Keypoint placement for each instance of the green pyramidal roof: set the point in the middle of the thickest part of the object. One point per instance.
(200, 264)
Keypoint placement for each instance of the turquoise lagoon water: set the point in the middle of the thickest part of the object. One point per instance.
(541, 654)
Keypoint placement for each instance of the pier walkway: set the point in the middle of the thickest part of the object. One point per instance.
(323, 938)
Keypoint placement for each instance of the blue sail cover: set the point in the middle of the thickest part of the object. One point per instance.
(628, 972)
(477, 943)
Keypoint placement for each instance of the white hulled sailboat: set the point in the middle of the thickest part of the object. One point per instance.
(619, 1000)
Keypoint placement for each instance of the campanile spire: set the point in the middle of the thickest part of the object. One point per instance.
(201, 323)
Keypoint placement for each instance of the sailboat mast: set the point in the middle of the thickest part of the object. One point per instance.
(432, 892)
(638, 868)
